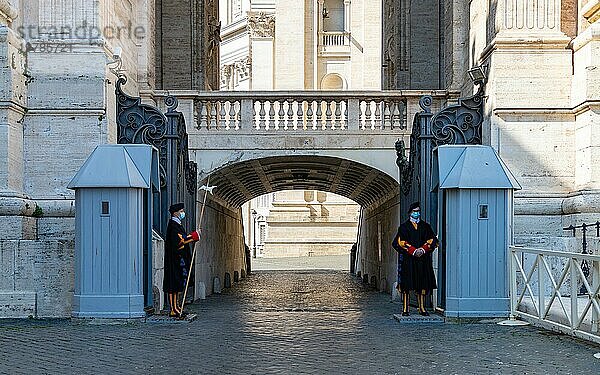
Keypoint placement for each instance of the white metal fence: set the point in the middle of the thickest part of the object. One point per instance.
(556, 290)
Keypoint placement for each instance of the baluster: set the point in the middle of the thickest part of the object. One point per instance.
(387, 115)
(203, 116)
(233, 115)
(347, 105)
(281, 119)
(329, 123)
(309, 115)
(396, 116)
(378, 120)
(338, 114)
(213, 115)
(271, 120)
(222, 119)
(262, 116)
(319, 124)
(290, 114)
(301, 120)
(361, 115)
(368, 115)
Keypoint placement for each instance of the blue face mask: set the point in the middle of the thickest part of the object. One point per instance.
(182, 216)
(415, 215)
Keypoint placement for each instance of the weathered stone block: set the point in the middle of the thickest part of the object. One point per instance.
(56, 228)
(18, 227)
(17, 304)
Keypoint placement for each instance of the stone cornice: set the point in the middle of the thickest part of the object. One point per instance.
(548, 112)
(508, 41)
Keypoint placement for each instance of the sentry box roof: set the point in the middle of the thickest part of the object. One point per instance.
(119, 166)
(470, 167)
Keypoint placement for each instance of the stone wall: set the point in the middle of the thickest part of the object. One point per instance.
(220, 250)
(376, 257)
(59, 105)
(37, 278)
(412, 44)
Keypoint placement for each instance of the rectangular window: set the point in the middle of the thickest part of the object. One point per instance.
(483, 211)
(105, 208)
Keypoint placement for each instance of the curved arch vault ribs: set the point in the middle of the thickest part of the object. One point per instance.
(240, 182)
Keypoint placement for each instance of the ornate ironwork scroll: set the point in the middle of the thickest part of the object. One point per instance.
(459, 123)
(142, 123)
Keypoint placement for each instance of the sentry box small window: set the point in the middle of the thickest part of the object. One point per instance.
(483, 211)
(105, 208)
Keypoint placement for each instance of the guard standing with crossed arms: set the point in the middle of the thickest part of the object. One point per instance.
(415, 241)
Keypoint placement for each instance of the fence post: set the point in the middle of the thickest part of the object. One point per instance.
(573, 274)
(595, 283)
(541, 289)
(513, 282)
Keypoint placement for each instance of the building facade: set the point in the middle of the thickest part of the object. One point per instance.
(253, 51)
(542, 104)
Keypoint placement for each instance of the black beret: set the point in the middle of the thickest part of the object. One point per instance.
(413, 206)
(175, 207)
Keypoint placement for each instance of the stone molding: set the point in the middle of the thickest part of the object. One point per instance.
(8, 13)
(590, 34)
(240, 69)
(17, 206)
(591, 11)
(261, 25)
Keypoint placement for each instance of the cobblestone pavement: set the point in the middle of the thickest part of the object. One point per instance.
(293, 322)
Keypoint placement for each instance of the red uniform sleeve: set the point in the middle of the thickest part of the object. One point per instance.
(192, 237)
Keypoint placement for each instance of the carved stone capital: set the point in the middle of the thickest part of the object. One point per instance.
(261, 25)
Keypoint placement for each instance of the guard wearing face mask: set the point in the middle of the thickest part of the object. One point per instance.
(177, 247)
(415, 242)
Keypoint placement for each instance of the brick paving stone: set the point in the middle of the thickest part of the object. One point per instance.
(290, 322)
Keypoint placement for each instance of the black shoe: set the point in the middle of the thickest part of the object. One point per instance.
(424, 313)
(405, 313)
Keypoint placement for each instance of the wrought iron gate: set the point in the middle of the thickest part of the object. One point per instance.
(142, 123)
(456, 124)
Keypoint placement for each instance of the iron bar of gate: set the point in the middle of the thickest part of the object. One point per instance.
(585, 267)
(145, 124)
(455, 124)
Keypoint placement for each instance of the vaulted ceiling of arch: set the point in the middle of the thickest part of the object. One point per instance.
(243, 181)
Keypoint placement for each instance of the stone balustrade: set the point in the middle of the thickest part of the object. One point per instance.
(335, 38)
(304, 111)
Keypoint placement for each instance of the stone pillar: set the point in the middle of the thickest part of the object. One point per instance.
(15, 210)
(528, 120)
(261, 27)
(320, 16)
(585, 206)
